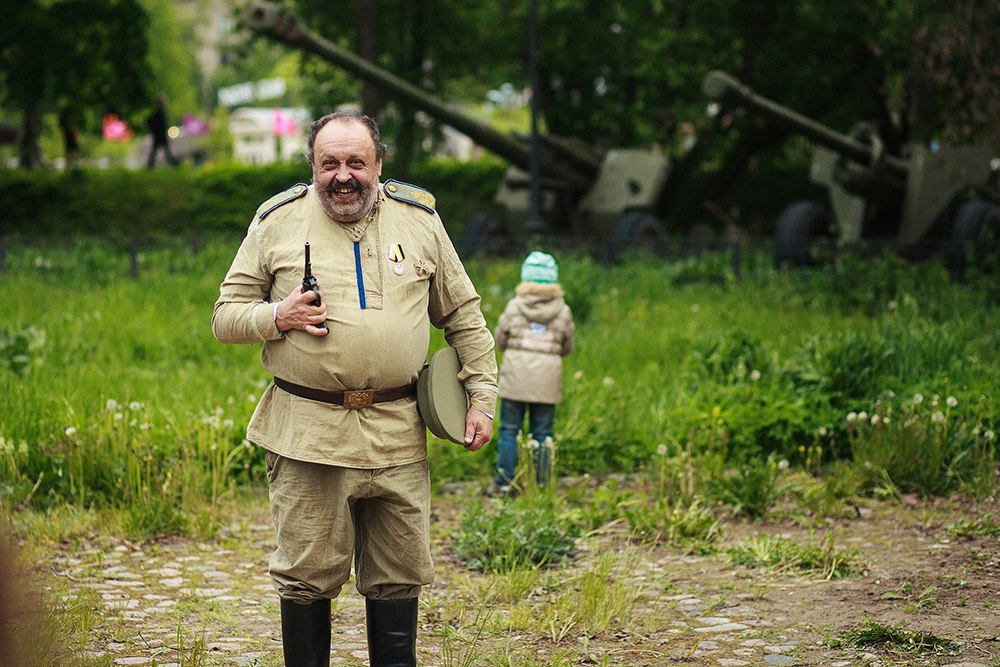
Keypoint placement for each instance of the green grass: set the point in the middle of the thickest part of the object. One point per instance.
(896, 638)
(116, 394)
(983, 527)
(781, 554)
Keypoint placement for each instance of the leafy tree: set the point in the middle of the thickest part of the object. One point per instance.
(172, 66)
(406, 38)
(78, 56)
(629, 72)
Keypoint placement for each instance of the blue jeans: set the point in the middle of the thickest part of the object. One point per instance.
(540, 419)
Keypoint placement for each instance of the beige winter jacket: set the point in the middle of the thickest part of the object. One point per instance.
(379, 315)
(535, 331)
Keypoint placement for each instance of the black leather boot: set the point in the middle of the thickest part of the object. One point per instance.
(305, 633)
(392, 632)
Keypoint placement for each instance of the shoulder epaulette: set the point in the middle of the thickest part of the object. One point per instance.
(411, 194)
(280, 199)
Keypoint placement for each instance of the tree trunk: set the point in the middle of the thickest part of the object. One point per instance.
(28, 147)
(367, 12)
(408, 135)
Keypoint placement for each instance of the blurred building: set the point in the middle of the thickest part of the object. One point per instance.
(214, 24)
(263, 136)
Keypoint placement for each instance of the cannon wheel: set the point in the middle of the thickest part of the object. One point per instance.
(974, 236)
(635, 230)
(478, 231)
(803, 227)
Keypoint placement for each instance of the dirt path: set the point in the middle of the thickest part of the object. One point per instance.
(183, 602)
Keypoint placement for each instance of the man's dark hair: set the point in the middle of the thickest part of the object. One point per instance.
(346, 114)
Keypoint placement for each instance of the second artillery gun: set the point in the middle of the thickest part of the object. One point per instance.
(608, 196)
(921, 199)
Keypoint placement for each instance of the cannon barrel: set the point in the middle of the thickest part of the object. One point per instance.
(271, 20)
(724, 88)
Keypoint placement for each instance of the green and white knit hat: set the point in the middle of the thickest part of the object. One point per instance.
(540, 267)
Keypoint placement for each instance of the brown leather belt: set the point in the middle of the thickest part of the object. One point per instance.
(352, 400)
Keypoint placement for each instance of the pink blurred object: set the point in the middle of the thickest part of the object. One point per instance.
(195, 125)
(114, 129)
(283, 124)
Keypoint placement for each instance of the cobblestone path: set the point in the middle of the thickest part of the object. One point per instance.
(183, 602)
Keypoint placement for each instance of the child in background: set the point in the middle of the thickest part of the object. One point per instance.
(535, 332)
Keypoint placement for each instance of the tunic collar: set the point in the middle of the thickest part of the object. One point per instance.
(355, 231)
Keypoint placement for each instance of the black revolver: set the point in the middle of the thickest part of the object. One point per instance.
(309, 282)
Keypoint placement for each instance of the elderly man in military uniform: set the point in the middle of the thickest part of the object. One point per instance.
(346, 447)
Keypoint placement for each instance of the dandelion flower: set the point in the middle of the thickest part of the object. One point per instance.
(111, 405)
(754, 375)
(135, 406)
(852, 417)
(822, 431)
(695, 308)
(578, 375)
(937, 417)
(608, 382)
(783, 464)
(862, 416)
(988, 435)
(875, 420)
(951, 401)
(71, 431)
(661, 450)
(918, 399)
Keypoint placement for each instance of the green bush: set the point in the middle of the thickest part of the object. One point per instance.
(730, 357)
(18, 349)
(752, 488)
(932, 447)
(192, 200)
(846, 366)
(502, 536)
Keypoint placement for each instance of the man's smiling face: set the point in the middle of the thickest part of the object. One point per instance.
(345, 170)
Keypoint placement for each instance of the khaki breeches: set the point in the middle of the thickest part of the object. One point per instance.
(325, 516)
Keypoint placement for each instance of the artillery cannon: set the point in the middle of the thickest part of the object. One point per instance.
(585, 193)
(920, 199)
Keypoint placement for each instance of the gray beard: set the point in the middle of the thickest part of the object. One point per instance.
(369, 196)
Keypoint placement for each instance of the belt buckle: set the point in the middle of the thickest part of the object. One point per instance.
(356, 400)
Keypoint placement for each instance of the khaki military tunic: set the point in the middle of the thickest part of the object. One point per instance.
(384, 281)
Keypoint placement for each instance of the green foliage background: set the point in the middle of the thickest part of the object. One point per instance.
(192, 201)
(115, 391)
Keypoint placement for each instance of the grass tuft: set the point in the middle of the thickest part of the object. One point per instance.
(782, 554)
(896, 638)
